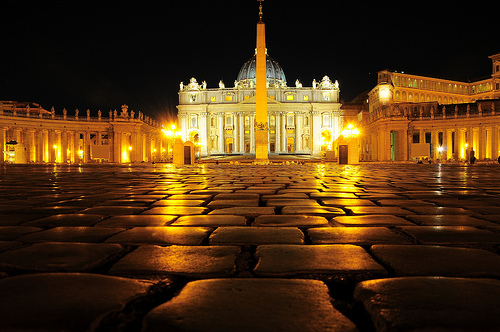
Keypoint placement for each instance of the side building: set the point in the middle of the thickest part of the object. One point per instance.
(453, 118)
(301, 120)
(31, 134)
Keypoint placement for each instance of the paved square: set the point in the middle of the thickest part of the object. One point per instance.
(175, 231)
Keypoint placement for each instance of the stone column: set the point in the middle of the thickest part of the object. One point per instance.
(277, 120)
(298, 131)
(222, 142)
(316, 132)
(64, 146)
(236, 132)
(52, 142)
(252, 132)
(494, 142)
(204, 118)
(284, 146)
(76, 147)
(2, 143)
(482, 143)
(242, 132)
(27, 144)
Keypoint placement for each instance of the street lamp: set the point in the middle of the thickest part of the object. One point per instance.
(350, 131)
(171, 135)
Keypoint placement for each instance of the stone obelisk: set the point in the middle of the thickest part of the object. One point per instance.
(261, 127)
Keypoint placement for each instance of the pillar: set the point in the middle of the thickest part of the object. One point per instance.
(2, 144)
(261, 129)
(222, 143)
(298, 131)
(64, 146)
(242, 132)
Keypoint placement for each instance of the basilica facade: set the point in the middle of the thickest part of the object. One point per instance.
(221, 120)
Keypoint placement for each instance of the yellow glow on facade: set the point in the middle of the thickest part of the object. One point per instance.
(350, 131)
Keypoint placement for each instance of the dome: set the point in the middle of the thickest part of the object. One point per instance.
(274, 73)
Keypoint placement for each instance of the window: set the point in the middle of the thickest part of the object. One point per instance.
(194, 122)
(229, 98)
(212, 98)
(272, 121)
(326, 96)
(247, 121)
(306, 98)
(289, 97)
(326, 120)
(290, 120)
(416, 137)
(229, 121)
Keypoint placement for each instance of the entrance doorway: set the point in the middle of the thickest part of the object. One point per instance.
(187, 155)
(290, 143)
(229, 145)
(343, 154)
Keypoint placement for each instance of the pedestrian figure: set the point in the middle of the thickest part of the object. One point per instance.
(472, 156)
(499, 159)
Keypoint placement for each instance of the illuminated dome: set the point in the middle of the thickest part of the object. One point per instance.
(274, 74)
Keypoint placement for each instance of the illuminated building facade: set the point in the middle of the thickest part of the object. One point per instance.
(452, 117)
(221, 120)
(30, 133)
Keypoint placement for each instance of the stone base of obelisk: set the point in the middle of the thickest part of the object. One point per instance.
(261, 147)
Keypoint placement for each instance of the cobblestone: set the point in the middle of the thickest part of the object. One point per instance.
(373, 247)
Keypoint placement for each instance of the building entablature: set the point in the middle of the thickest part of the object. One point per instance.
(434, 111)
(324, 92)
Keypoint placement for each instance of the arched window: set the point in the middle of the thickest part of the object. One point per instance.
(397, 95)
(326, 120)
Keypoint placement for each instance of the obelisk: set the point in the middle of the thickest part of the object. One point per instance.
(261, 127)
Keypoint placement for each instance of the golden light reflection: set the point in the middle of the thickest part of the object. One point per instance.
(350, 131)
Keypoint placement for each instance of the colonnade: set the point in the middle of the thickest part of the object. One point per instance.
(25, 139)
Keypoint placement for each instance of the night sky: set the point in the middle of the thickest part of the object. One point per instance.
(94, 56)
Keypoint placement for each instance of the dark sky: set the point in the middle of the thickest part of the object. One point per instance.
(101, 55)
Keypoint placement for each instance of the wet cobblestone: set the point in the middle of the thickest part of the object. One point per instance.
(250, 247)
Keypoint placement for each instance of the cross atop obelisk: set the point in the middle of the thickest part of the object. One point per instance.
(261, 127)
(260, 10)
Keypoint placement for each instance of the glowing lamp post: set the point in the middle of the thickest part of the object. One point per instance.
(348, 146)
(350, 132)
(171, 135)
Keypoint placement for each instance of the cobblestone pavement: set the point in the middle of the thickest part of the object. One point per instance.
(314, 247)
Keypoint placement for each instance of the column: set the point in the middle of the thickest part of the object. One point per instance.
(204, 133)
(76, 147)
(242, 132)
(284, 146)
(236, 131)
(316, 132)
(64, 146)
(2, 144)
(494, 142)
(27, 144)
(445, 144)
(277, 121)
(52, 142)
(252, 132)
(221, 132)
(482, 143)
(298, 131)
